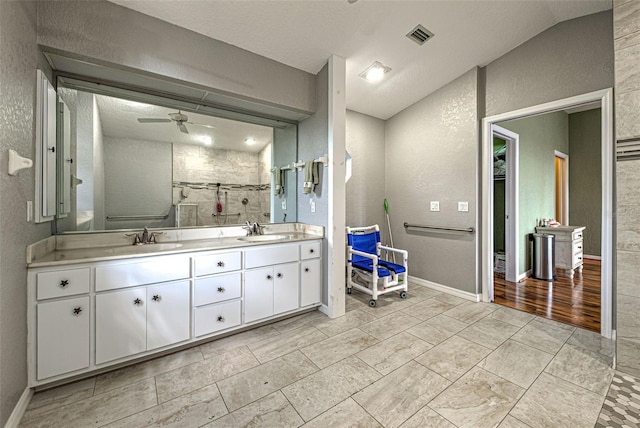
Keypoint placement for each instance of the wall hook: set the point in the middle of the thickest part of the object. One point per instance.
(17, 162)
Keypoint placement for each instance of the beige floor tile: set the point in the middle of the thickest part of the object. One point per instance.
(347, 414)
(66, 394)
(197, 375)
(285, 343)
(428, 309)
(512, 316)
(319, 392)
(453, 357)
(190, 410)
(309, 319)
(593, 342)
(330, 351)
(98, 410)
(478, 399)
(544, 336)
(470, 312)
(147, 369)
(489, 332)
(385, 327)
(437, 329)
(511, 422)
(397, 396)
(517, 363)
(271, 411)
(553, 402)
(229, 343)
(422, 292)
(583, 368)
(350, 320)
(451, 299)
(392, 353)
(387, 303)
(427, 417)
(255, 383)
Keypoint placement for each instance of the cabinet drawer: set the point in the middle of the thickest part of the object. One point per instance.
(266, 256)
(578, 247)
(62, 283)
(218, 263)
(576, 260)
(217, 289)
(577, 235)
(310, 250)
(210, 319)
(123, 275)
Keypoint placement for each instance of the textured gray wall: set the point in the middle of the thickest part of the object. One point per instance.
(585, 177)
(431, 155)
(112, 33)
(19, 59)
(313, 142)
(571, 58)
(365, 190)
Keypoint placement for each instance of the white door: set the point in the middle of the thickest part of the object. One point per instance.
(168, 314)
(121, 324)
(310, 282)
(286, 287)
(258, 294)
(63, 336)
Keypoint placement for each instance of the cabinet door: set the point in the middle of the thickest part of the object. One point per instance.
(310, 282)
(121, 325)
(63, 336)
(285, 288)
(168, 314)
(258, 294)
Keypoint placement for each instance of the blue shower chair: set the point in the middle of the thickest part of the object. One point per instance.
(366, 264)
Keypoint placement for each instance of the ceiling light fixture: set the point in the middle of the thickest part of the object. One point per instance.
(205, 139)
(249, 141)
(375, 72)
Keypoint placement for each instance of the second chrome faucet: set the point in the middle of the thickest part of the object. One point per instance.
(144, 237)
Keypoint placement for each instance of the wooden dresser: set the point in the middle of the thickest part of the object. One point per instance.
(569, 246)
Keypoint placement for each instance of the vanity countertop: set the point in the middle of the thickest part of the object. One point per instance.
(62, 250)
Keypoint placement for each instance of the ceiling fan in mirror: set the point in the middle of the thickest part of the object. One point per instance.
(179, 118)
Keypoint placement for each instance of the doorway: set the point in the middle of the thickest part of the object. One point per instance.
(604, 100)
(562, 187)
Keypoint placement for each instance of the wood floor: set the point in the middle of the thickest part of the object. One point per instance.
(574, 301)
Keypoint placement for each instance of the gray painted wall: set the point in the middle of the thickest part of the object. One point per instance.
(571, 58)
(431, 155)
(112, 33)
(585, 177)
(365, 141)
(313, 142)
(17, 123)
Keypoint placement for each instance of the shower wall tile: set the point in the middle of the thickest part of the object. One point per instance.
(626, 18)
(628, 322)
(628, 217)
(627, 107)
(627, 76)
(628, 283)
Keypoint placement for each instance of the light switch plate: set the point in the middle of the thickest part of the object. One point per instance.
(463, 207)
(313, 206)
(29, 211)
(435, 205)
(284, 204)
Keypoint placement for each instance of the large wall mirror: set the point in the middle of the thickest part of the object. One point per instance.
(126, 163)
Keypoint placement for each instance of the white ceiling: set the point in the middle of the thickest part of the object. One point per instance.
(305, 33)
(119, 119)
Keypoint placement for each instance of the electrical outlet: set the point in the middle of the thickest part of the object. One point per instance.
(313, 206)
(435, 206)
(29, 211)
(284, 204)
(463, 207)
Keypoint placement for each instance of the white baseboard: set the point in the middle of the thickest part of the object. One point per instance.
(445, 289)
(325, 310)
(18, 411)
(587, 256)
(525, 275)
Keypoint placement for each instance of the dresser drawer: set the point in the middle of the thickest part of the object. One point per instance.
(267, 256)
(210, 264)
(217, 288)
(576, 260)
(209, 319)
(578, 247)
(310, 250)
(161, 269)
(62, 283)
(578, 235)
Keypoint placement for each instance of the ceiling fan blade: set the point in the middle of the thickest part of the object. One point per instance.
(202, 124)
(152, 120)
(182, 128)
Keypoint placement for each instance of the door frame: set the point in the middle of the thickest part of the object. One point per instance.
(511, 201)
(605, 98)
(565, 204)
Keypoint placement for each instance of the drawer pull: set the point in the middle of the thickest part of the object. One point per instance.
(220, 263)
(279, 275)
(579, 257)
(221, 290)
(312, 251)
(156, 298)
(64, 283)
(579, 247)
(269, 277)
(220, 318)
(77, 311)
(137, 302)
(306, 269)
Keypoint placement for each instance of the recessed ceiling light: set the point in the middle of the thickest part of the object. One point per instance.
(375, 72)
(249, 141)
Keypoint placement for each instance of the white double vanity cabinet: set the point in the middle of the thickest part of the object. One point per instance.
(94, 308)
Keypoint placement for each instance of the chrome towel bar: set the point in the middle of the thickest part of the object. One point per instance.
(137, 217)
(448, 229)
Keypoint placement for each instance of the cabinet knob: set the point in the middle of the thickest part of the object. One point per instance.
(137, 302)
(52, 149)
(279, 275)
(156, 298)
(221, 264)
(269, 277)
(311, 251)
(77, 311)
(579, 247)
(306, 269)
(220, 289)
(64, 283)
(220, 318)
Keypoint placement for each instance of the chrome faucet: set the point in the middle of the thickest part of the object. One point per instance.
(144, 237)
(253, 229)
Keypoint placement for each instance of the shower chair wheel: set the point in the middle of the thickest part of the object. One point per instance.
(403, 294)
(349, 291)
(372, 303)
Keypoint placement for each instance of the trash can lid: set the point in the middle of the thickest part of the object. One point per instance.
(543, 235)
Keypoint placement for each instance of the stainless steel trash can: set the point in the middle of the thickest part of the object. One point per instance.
(544, 256)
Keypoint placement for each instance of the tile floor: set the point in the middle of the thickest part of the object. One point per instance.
(432, 360)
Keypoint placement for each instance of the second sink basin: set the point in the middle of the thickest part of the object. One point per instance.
(263, 238)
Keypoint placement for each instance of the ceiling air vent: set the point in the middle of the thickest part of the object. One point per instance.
(420, 34)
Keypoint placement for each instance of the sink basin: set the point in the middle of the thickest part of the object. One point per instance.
(135, 249)
(163, 246)
(263, 238)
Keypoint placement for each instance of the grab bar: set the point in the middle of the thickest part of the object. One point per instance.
(452, 229)
(226, 215)
(138, 217)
